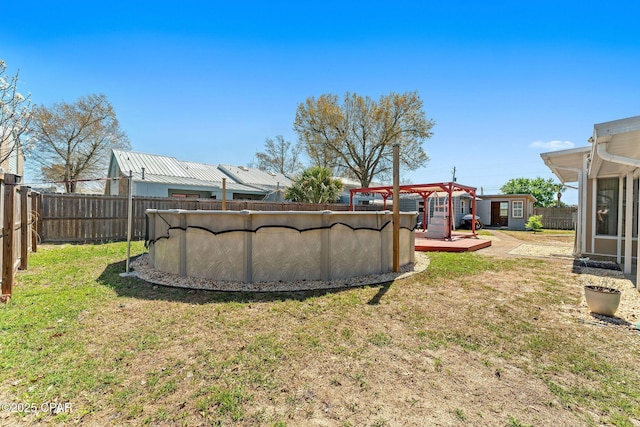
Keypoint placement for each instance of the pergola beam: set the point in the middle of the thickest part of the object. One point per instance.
(423, 190)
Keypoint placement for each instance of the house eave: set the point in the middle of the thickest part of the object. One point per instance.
(615, 147)
(566, 164)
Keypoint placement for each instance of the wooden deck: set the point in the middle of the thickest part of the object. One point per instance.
(459, 242)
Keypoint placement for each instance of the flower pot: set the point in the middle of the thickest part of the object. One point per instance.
(602, 300)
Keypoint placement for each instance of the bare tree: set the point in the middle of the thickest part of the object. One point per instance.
(73, 142)
(280, 156)
(357, 137)
(15, 114)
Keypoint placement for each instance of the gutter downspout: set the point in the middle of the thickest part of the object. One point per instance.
(615, 158)
(601, 149)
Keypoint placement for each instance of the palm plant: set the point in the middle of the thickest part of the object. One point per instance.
(314, 185)
(559, 188)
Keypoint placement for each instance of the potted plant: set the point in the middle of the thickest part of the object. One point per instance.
(602, 299)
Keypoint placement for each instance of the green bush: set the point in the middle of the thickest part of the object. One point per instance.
(534, 223)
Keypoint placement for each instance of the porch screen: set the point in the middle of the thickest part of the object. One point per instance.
(607, 207)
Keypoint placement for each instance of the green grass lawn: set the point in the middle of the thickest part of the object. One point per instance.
(472, 341)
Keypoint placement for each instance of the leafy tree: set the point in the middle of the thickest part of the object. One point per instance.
(74, 141)
(544, 190)
(357, 136)
(15, 113)
(314, 185)
(280, 156)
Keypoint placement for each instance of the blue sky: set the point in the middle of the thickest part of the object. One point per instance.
(210, 81)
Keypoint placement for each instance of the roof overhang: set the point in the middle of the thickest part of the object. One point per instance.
(566, 164)
(501, 197)
(615, 147)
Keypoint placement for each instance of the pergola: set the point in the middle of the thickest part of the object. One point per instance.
(424, 190)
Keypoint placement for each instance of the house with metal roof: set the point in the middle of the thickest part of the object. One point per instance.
(163, 176)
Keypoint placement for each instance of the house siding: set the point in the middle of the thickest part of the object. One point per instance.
(613, 153)
(483, 210)
(14, 163)
(597, 244)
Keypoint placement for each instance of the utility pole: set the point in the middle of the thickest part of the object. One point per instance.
(396, 207)
(224, 194)
(129, 223)
(453, 172)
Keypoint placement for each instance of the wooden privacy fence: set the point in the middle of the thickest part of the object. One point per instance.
(80, 218)
(19, 230)
(558, 218)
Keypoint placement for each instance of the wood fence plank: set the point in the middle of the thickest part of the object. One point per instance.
(24, 227)
(7, 241)
(35, 221)
(563, 218)
(100, 218)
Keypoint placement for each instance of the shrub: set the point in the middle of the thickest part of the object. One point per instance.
(534, 223)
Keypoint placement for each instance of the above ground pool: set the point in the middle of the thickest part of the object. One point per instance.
(258, 246)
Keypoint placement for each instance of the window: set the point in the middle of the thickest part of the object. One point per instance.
(607, 207)
(517, 207)
(185, 196)
(504, 209)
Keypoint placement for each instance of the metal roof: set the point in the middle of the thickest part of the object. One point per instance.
(255, 177)
(169, 170)
(204, 171)
(153, 164)
(163, 179)
(170, 167)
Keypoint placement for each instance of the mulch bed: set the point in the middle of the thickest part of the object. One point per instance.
(580, 263)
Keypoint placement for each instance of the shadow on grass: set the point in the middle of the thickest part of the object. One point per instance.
(384, 287)
(612, 320)
(134, 287)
